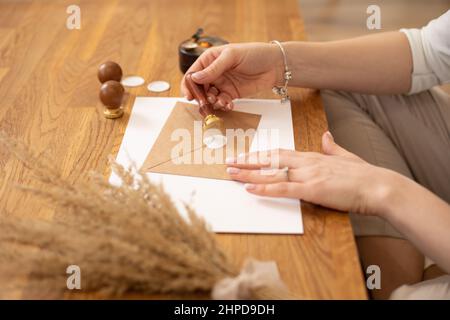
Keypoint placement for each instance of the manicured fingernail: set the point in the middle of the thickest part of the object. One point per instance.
(211, 99)
(198, 75)
(230, 160)
(249, 186)
(328, 133)
(220, 103)
(228, 106)
(232, 170)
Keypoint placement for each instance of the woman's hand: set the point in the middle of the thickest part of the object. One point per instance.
(235, 71)
(336, 179)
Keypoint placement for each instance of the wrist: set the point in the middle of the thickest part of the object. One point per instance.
(282, 91)
(278, 65)
(294, 51)
(388, 192)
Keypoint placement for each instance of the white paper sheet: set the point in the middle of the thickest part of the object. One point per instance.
(225, 205)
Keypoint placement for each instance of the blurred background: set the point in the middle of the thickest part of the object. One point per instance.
(349, 17)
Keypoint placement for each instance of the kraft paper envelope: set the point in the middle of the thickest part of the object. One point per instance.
(179, 148)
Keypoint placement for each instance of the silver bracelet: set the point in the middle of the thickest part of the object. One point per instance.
(283, 91)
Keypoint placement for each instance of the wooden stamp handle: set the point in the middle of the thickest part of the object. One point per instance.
(199, 94)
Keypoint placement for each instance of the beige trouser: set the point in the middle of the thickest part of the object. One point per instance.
(407, 134)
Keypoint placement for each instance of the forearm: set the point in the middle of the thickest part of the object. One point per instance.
(421, 217)
(378, 64)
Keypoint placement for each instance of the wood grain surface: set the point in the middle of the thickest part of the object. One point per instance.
(49, 100)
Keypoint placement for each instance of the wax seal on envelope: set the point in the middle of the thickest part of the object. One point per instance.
(213, 130)
(213, 136)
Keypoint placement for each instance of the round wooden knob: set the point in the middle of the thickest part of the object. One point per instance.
(111, 94)
(109, 71)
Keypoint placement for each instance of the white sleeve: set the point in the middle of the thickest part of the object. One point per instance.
(430, 47)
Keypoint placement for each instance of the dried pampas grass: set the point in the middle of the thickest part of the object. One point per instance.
(125, 239)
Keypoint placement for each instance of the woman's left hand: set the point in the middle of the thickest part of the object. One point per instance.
(335, 178)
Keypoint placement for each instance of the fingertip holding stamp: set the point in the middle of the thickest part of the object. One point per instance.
(198, 92)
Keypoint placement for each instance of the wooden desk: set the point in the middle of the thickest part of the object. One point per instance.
(48, 98)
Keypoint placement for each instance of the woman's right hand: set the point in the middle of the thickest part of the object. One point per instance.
(235, 71)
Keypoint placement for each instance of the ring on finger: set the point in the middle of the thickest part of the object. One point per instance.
(286, 170)
(284, 173)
